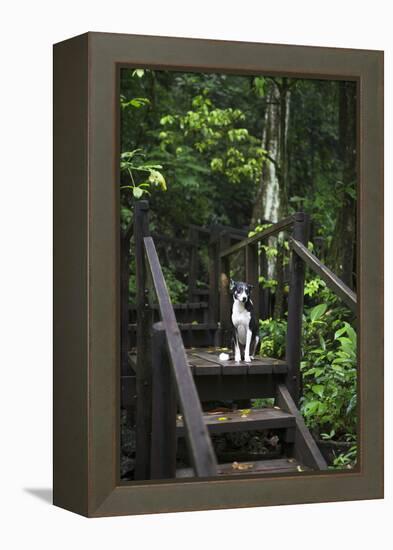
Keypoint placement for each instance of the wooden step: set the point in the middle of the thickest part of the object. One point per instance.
(266, 467)
(243, 420)
(206, 361)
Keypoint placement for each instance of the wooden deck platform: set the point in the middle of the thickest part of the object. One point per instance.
(240, 420)
(206, 362)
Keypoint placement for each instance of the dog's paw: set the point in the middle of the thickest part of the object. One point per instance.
(224, 357)
(247, 359)
(238, 358)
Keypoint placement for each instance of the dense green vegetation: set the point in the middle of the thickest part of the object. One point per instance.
(244, 151)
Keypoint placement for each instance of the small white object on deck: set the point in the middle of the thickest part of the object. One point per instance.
(224, 357)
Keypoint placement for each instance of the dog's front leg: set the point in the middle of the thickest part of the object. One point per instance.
(247, 357)
(237, 349)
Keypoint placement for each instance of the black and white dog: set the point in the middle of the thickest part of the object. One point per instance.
(244, 322)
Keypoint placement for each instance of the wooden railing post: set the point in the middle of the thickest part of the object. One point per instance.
(295, 309)
(252, 274)
(163, 437)
(264, 293)
(124, 291)
(143, 368)
(197, 436)
(225, 298)
(193, 236)
(213, 276)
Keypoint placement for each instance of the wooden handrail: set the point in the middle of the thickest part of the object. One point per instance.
(268, 232)
(332, 281)
(198, 439)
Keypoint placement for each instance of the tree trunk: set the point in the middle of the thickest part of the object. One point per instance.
(272, 199)
(267, 200)
(342, 253)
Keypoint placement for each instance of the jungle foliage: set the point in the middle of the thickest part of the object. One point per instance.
(245, 151)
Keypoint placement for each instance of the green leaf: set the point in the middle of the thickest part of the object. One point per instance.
(311, 407)
(318, 389)
(317, 312)
(340, 332)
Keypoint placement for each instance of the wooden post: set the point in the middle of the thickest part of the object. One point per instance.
(295, 309)
(125, 275)
(193, 236)
(163, 438)
(252, 274)
(143, 332)
(225, 298)
(264, 293)
(213, 276)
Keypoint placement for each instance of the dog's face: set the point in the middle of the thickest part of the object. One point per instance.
(241, 291)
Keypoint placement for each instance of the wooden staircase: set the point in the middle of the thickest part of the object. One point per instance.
(169, 388)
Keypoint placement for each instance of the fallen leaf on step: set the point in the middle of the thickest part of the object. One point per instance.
(245, 411)
(241, 466)
(300, 469)
(179, 417)
(223, 418)
(291, 460)
(278, 408)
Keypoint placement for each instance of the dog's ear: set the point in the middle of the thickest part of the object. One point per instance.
(250, 287)
(232, 285)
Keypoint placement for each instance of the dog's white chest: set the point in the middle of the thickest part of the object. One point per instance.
(241, 321)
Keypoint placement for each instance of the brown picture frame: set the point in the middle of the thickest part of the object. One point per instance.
(86, 273)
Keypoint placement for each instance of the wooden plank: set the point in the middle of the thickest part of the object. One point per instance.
(225, 296)
(129, 231)
(275, 228)
(252, 274)
(238, 421)
(260, 467)
(183, 326)
(163, 439)
(203, 369)
(124, 292)
(188, 305)
(263, 365)
(128, 392)
(305, 448)
(265, 368)
(295, 309)
(199, 443)
(213, 291)
(230, 368)
(333, 282)
(72, 239)
(226, 367)
(223, 388)
(143, 367)
(193, 267)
